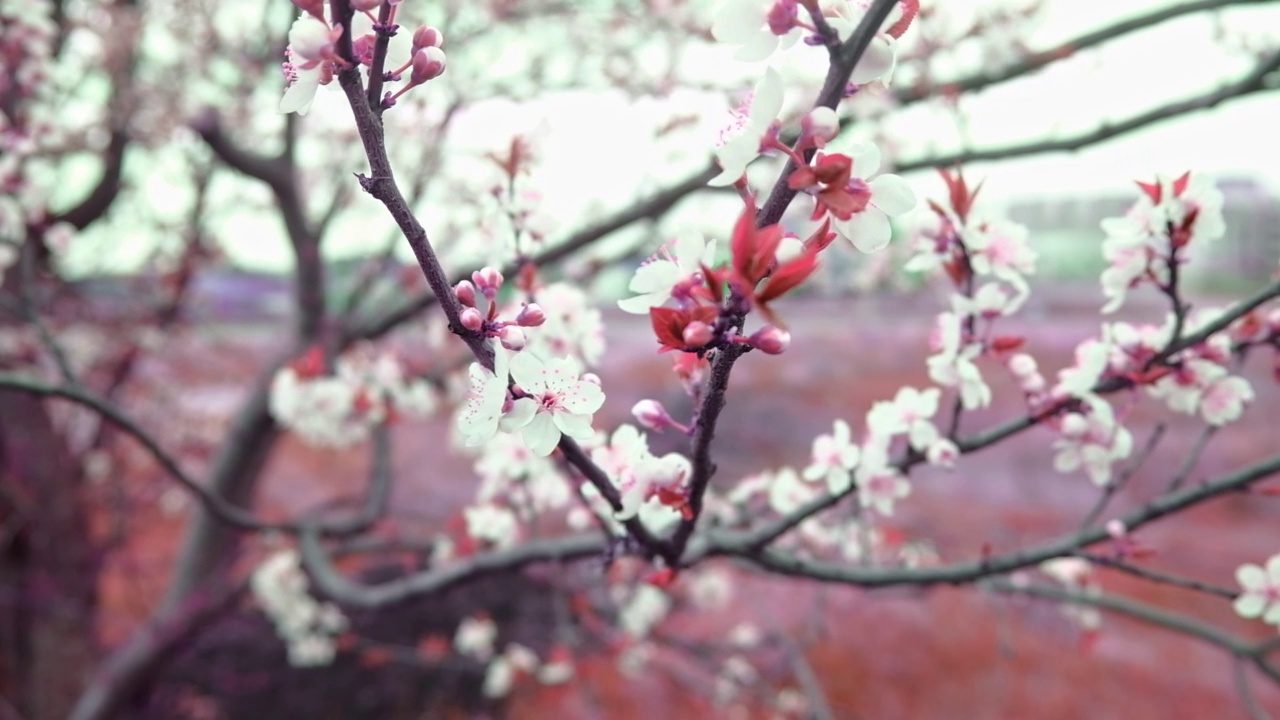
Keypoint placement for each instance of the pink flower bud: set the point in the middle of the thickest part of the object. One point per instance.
(512, 337)
(472, 319)
(365, 5)
(1022, 365)
(821, 124)
(1117, 530)
(426, 36)
(1074, 425)
(531, 315)
(592, 378)
(428, 64)
(697, 334)
(782, 17)
(314, 8)
(771, 340)
(466, 293)
(488, 280)
(651, 414)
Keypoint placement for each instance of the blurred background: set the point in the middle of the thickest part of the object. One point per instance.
(165, 222)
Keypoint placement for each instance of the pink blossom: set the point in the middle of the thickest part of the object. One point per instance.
(557, 401)
(834, 457)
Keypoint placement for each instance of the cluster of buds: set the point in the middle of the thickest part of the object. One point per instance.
(488, 281)
(426, 63)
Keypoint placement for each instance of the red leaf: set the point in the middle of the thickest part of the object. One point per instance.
(1180, 185)
(1006, 343)
(1152, 190)
(788, 276)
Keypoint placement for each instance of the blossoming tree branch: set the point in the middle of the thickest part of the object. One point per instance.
(516, 349)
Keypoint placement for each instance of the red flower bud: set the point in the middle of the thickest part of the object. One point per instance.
(472, 319)
(771, 340)
(531, 315)
(466, 293)
(428, 64)
(426, 36)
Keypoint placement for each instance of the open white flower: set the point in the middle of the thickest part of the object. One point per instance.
(677, 268)
(834, 457)
(307, 67)
(1261, 596)
(745, 23)
(740, 142)
(885, 196)
(559, 402)
(478, 420)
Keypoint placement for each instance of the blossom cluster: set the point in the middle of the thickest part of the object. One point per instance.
(1261, 596)
(338, 407)
(306, 625)
(312, 59)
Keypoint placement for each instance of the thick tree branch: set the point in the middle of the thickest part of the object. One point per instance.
(778, 562)
(1259, 80)
(224, 511)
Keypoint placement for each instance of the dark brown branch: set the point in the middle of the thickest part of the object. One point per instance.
(226, 512)
(124, 673)
(99, 200)
(278, 174)
(966, 572)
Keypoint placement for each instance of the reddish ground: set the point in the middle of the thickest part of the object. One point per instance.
(946, 653)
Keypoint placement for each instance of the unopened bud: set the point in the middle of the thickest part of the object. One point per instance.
(1117, 530)
(425, 37)
(697, 334)
(466, 293)
(771, 340)
(1022, 365)
(821, 124)
(592, 378)
(365, 5)
(428, 64)
(531, 315)
(1074, 425)
(472, 319)
(314, 8)
(782, 17)
(488, 280)
(512, 337)
(651, 414)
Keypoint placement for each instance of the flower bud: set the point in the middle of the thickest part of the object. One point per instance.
(314, 8)
(466, 293)
(365, 5)
(697, 334)
(1074, 425)
(531, 315)
(821, 124)
(428, 64)
(488, 280)
(592, 378)
(472, 319)
(651, 414)
(426, 36)
(771, 340)
(1116, 529)
(512, 337)
(1022, 365)
(782, 17)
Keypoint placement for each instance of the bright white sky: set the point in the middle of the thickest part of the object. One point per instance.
(593, 144)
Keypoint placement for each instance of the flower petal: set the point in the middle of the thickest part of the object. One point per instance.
(868, 230)
(541, 435)
(892, 194)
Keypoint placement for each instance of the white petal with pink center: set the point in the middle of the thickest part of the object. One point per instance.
(557, 402)
(657, 279)
(1261, 596)
(740, 142)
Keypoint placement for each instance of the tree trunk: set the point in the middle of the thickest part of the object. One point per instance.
(48, 570)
